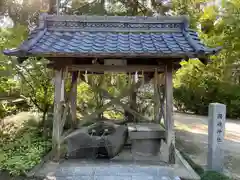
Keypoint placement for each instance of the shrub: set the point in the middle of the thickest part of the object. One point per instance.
(196, 86)
(21, 144)
(6, 109)
(197, 100)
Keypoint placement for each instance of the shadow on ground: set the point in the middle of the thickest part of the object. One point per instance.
(195, 144)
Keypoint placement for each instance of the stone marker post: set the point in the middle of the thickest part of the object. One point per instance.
(216, 128)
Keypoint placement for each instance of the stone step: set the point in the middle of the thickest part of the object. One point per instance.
(105, 171)
(113, 178)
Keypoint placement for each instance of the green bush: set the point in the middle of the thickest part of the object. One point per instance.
(21, 144)
(6, 109)
(196, 86)
(197, 100)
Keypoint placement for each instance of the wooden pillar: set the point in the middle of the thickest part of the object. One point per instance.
(73, 99)
(56, 132)
(169, 113)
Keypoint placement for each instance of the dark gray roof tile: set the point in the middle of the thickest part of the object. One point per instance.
(108, 35)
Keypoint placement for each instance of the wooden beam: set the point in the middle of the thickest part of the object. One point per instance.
(115, 68)
(59, 63)
(169, 113)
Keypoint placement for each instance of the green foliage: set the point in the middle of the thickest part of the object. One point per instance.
(119, 7)
(113, 115)
(197, 85)
(7, 109)
(9, 86)
(91, 98)
(21, 144)
(36, 83)
(31, 79)
(24, 153)
(9, 38)
(211, 175)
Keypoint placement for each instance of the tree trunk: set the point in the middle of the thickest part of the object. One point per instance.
(2, 7)
(132, 6)
(44, 124)
(133, 105)
(52, 6)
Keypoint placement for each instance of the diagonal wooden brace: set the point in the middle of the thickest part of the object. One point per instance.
(124, 106)
(114, 100)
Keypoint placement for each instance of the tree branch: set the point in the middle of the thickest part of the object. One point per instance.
(34, 101)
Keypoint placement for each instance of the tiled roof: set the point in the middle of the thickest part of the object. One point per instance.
(113, 36)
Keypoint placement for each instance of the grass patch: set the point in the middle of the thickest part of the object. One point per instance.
(197, 168)
(211, 175)
(205, 175)
(21, 143)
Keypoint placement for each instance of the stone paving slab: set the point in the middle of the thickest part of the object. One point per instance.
(113, 178)
(107, 170)
(110, 171)
(74, 178)
(80, 169)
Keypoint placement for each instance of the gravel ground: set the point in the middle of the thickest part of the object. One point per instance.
(192, 136)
